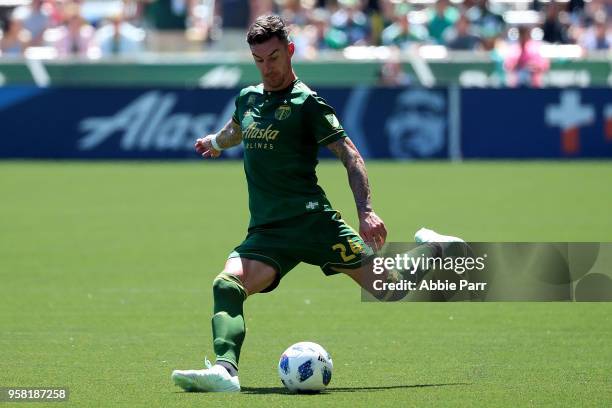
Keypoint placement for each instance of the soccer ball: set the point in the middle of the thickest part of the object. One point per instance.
(305, 367)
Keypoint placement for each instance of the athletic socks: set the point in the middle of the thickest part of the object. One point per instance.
(228, 321)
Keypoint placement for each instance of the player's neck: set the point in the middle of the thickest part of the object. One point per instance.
(288, 81)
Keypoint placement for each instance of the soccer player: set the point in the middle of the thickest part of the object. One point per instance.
(281, 124)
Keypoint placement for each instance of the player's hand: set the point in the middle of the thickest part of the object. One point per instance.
(205, 149)
(372, 230)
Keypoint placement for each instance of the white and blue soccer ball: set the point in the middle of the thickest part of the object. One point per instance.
(305, 367)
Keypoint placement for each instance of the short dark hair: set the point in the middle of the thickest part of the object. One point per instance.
(266, 27)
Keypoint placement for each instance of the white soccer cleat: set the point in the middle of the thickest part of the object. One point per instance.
(449, 246)
(425, 235)
(211, 379)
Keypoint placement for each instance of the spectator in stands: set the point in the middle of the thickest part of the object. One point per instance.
(492, 45)
(483, 19)
(349, 26)
(402, 34)
(468, 6)
(320, 22)
(555, 31)
(307, 26)
(166, 22)
(119, 37)
(35, 19)
(598, 36)
(441, 17)
(575, 6)
(202, 24)
(523, 62)
(14, 39)
(294, 13)
(390, 9)
(56, 11)
(74, 37)
(575, 10)
(591, 11)
(606, 7)
(462, 36)
(306, 40)
(376, 20)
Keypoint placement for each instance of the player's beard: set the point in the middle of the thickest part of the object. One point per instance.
(275, 81)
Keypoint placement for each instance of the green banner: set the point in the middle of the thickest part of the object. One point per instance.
(242, 72)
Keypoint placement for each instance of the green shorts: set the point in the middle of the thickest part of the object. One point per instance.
(320, 238)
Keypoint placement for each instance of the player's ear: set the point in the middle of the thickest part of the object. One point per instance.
(291, 48)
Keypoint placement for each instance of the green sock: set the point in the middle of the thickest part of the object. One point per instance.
(228, 321)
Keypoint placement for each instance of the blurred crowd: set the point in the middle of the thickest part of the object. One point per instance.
(62, 27)
(458, 25)
(97, 28)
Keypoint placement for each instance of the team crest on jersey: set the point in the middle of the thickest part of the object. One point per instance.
(282, 112)
(333, 120)
(251, 100)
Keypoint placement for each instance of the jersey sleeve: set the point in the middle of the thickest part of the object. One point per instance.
(240, 101)
(322, 121)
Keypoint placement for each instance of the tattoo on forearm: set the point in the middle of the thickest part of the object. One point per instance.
(346, 151)
(230, 135)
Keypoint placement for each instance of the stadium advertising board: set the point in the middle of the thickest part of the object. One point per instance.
(163, 124)
(409, 123)
(529, 123)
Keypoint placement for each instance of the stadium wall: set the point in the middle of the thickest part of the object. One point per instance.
(386, 123)
(469, 70)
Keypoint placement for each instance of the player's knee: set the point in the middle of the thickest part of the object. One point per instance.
(226, 285)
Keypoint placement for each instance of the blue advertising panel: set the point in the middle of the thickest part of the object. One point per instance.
(60, 123)
(413, 123)
(536, 123)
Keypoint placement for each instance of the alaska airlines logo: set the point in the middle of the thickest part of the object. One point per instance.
(254, 132)
(148, 123)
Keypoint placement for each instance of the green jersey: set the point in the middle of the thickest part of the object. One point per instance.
(281, 135)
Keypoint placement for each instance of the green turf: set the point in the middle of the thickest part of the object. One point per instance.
(105, 274)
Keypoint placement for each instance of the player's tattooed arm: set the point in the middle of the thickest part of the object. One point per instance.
(371, 227)
(348, 154)
(230, 135)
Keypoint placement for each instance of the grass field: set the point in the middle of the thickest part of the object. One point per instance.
(105, 272)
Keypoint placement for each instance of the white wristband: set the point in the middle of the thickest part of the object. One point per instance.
(215, 145)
